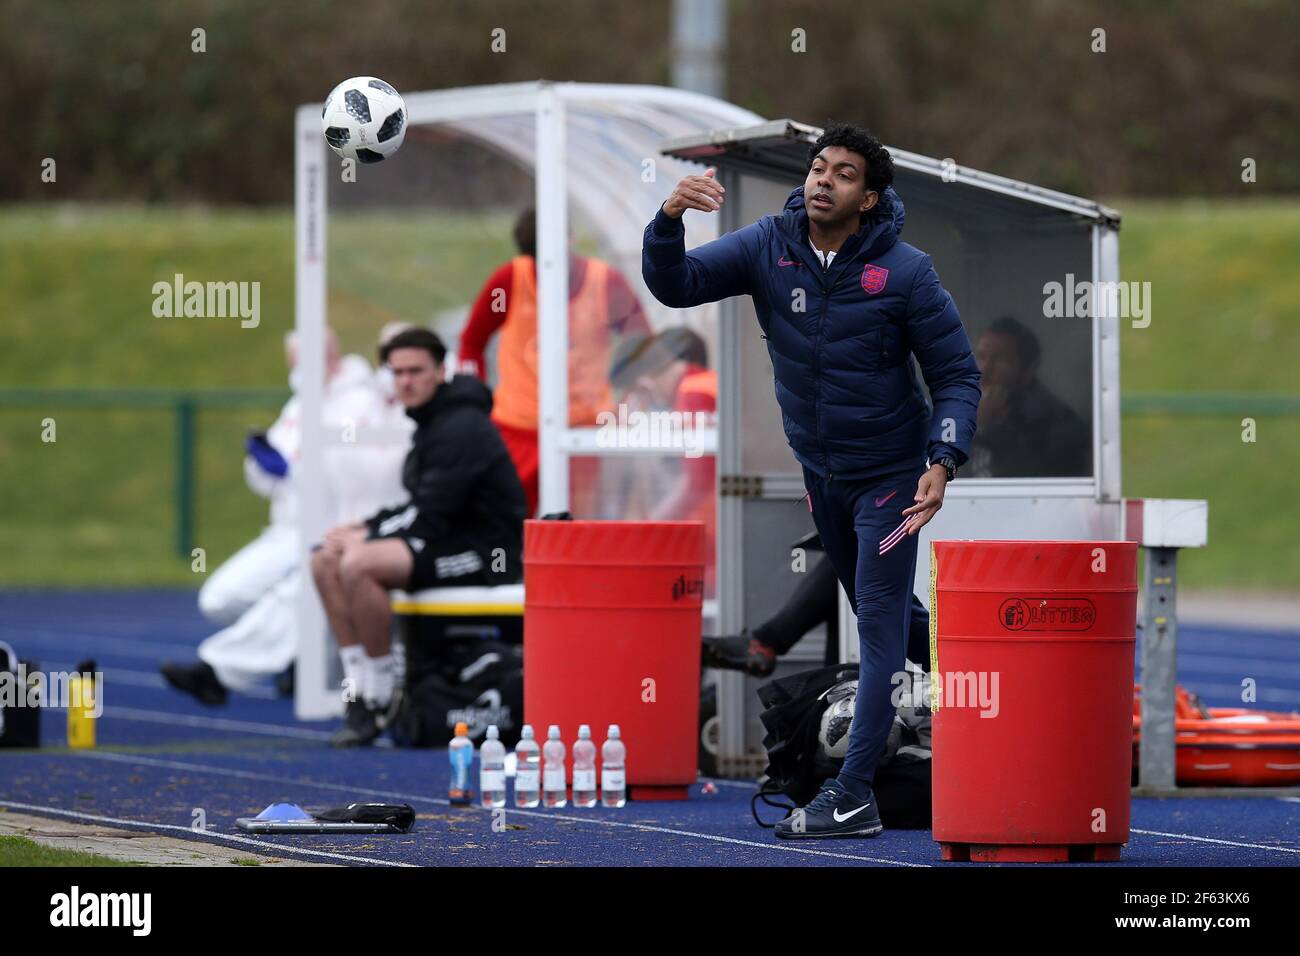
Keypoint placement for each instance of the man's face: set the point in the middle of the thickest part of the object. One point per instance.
(998, 357)
(839, 175)
(661, 386)
(415, 376)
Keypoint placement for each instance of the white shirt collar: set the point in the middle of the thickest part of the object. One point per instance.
(825, 257)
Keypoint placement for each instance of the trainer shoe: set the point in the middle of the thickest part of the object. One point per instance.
(739, 653)
(284, 681)
(834, 812)
(360, 726)
(198, 680)
(387, 714)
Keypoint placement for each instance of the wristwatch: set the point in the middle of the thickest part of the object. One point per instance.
(949, 464)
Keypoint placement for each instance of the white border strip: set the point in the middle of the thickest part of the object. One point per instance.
(413, 798)
(196, 834)
(1200, 839)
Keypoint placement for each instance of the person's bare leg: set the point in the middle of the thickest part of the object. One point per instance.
(325, 562)
(325, 572)
(368, 571)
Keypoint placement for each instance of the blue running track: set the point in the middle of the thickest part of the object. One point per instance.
(162, 757)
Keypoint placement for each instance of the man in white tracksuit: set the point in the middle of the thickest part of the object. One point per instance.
(255, 592)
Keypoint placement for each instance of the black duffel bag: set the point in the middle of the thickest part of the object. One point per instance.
(477, 681)
(808, 716)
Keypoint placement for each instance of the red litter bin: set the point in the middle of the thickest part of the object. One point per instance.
(612, 636)
(1031, 647)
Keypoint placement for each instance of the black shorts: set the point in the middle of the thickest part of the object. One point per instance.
(445, 563)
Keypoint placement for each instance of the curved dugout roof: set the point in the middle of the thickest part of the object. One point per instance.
(779, 149)
(614, 139)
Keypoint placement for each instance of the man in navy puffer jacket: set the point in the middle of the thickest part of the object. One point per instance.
(843, 304)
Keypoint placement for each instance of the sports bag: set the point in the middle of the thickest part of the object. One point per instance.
(808, 717)
(480, 682)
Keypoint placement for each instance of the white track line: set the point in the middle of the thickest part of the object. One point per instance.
(270, 778)
(225, 723)
(1252, 643)
(1245, 666)
(134, 678)
(192, 834)
(1282, 697)
(747, 784)
(128, 676)
(1201, 839)
(103, 643)
(215, 723)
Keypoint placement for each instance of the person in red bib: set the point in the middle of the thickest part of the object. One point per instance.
(602, 307)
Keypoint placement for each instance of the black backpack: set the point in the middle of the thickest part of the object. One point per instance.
(798, 763)
(477, 681)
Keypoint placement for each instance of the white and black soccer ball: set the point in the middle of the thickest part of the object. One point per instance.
(836, 721)
(364, 119)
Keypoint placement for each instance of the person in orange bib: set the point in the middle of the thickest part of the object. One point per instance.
(602, 306)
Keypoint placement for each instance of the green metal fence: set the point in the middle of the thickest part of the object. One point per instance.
(184, 405)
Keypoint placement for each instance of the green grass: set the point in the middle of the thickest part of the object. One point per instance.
(20, 851)
(1225, 287)
(95, 506)
(1225, 294)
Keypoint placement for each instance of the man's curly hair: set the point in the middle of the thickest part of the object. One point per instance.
(880, 165)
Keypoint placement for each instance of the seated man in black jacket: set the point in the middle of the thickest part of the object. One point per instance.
(462, 526)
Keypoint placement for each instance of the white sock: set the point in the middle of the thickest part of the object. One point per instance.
(379, 684)
(354, 670)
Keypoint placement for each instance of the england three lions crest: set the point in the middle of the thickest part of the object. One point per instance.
(873, 278)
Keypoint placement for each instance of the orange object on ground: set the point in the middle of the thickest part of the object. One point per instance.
(612, 618)
(1228, 746)
(1031, 647)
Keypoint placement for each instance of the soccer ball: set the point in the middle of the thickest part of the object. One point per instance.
(364, 119)
(836, 720)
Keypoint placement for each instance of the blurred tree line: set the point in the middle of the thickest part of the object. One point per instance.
(114, 92)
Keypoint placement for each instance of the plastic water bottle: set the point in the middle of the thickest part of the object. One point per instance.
(492, 769)
(584, 769)
(613, 776)
(528, 770)
(461, 753)
(553, 794)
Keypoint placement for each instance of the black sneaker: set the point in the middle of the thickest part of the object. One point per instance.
(197, 680)
(834, 812)
(739, 653)
(284, 682)
(387, 714)
(360, 726)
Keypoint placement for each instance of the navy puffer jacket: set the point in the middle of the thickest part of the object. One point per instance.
(839, 338)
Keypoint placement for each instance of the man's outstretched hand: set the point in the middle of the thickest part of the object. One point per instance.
(695, 192)
(929, 498)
